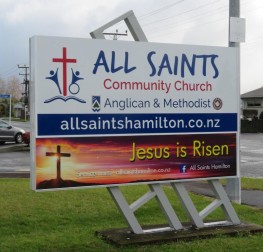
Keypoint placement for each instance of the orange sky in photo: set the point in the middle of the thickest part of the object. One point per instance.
(107, 160)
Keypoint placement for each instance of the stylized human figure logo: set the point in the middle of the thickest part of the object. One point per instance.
(73, 88)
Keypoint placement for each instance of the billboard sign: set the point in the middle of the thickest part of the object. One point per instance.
(111, 113)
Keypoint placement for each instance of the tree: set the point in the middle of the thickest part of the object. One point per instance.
(14, 88)
(3, 102)
(2, 86)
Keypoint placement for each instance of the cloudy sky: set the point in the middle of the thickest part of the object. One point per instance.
(199, 22)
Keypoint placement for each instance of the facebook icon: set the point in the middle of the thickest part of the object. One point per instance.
(183, 168)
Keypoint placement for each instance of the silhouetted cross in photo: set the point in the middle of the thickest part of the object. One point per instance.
(58, 154)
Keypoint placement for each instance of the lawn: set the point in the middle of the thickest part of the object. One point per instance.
(67, 220)
(252, 183)
(249, 183)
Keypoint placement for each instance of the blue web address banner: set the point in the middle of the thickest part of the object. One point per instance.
(105, 124)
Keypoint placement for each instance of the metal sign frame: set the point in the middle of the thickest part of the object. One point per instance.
(156, 190)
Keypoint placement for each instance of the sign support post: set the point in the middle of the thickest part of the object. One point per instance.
(197, 218)
(236, 35)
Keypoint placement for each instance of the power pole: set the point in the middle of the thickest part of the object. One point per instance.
(233, 185)
(26, 83)
(26, 90)
(234, 11)
(115, 34)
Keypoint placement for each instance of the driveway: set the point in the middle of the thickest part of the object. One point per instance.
(251, 155)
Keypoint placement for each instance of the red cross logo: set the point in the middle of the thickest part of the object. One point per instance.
(64, 60)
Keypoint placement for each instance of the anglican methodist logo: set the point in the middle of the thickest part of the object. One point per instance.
(69, 87)
(95, 103)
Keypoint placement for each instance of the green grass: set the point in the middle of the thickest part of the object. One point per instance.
(252, 183)
(67, 220)
(249, 183)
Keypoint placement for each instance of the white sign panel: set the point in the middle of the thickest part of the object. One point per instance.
(113, 93)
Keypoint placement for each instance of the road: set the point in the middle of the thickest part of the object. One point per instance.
(23, 125)
(251, 155)
(15, 157)
(16, 161)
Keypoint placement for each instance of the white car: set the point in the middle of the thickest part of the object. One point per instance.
(9, 133)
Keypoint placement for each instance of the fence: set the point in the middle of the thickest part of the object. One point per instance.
(253, 126)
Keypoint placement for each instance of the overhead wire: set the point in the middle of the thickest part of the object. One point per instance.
(154, 12)
(176, 29)
(144, 16)
(182, 13)
(192, 19)
(185, 22)
(254, 43)
(159, 10)
(184, 29)
(9, 71)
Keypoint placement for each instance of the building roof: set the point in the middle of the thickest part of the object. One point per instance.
(254, 93)
(18, 106)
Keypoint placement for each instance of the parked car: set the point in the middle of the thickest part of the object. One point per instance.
(26, 138)
(9, 133)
